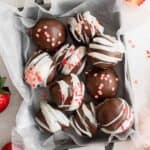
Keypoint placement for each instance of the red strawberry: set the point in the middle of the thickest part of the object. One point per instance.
(7, 147)
(137, 2)
(4, 95)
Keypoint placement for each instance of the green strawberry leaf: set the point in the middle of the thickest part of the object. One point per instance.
(2, 91)
(2, 82)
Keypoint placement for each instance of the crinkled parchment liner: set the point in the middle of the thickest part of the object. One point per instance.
(26, 133)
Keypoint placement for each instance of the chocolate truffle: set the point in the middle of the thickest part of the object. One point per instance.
(68, 93)
(102, 83)
(49, 34)
(51, 119)
(105, 51)
(39, 70)
(84, 121)
(114, 116)
(71, 59)
(84, 27)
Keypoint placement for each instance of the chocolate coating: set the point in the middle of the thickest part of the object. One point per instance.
(114, 116)
(71, 59)
(68, 93)
(84, 27)
(102, 83)
(40, 70)
(84, 121)
(51, 119)
(49, 34)
(105, 51)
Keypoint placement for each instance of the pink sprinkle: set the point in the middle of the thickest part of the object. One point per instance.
(59, 34)
(102, 77)
(45, 27)
(135, 81)
(108, 75)
(117, 79)
(96, 96)
(86, 28)
(113, 89)
(101, 86)
(59, 42)
(48, 40)
(37, 35)
(110, 81)
(33, 85)
(46, 34)
(53, 44)
(100, 92)
(39, 30)
(95, 74)
(53, 39)
(86, 72)
(106, 78)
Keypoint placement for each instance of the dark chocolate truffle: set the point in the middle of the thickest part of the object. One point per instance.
(70, 59)
(51, 119)
(105, 51)
(114, 116)
(84, 121)
(68, 93)
(39, 70)
(49, 34)
(102, 83)
(84, 27)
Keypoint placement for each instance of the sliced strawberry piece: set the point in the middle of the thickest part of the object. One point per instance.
(137, 2)
(4, 95)
(7, 147)
(4, 101)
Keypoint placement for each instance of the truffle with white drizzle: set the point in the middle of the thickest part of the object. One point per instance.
(102, 83)
(114, 116)
(39, 70)
(68, 93)
(105, 51)
(51, 119)
(84, 27)
(71, 59)
(49, 34)
(84, 121)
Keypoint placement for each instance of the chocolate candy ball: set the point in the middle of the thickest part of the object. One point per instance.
(68, 93)
(84, 27)
(71, 59)
(84, 121)
(105, 51)
(49, 34)
(39, 70)
(50, 119)
(102, 83)
(114, 116)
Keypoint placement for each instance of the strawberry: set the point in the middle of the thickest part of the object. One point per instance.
(137, 2)
(7, 147)
(4, 95)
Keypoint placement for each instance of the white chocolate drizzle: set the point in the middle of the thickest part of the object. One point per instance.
(109, 45)
(54, 118)
(90, 114)
(76, 26)
(70, 57)
(38, 70)
(76, 91)
(126, 124)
